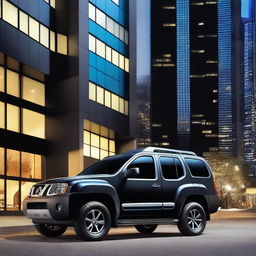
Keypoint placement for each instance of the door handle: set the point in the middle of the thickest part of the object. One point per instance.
(155, 185)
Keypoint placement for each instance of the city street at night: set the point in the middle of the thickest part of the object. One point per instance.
(228, 233)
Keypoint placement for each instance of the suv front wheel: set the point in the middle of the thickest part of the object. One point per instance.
(93, 222)
(193, 220)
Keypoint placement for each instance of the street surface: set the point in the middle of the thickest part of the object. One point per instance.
(228, 233)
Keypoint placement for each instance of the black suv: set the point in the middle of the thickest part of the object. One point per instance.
(145, 187)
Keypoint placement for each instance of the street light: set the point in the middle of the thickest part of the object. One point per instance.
(228, 187)
(236, 168)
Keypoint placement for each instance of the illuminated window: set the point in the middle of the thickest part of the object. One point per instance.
(33, 123)
(95, 140)
(100, 95)
(13, 83)
(2, 161)
(34, 29)
(2, 115)
(31, 165)
(108, 54)
(115, 1)
(126, 107)
(23, 22)
(116, 29)
(169, 25)
(13, 118)
(200, 23)
(52, 41)
(127, 65)
(62, 44)
(13, 163)
(121, 33)
(110, 25)
(100, 48)
(53, 3)
(107, 99)
(33, 91)
(44, 35)
(92, 11)
(92, 91)
(101, 18)
(2, 199)
(121, 61)
(115, 102)
(115, 56)
(10, 13)
(1, 79)
(12, 195)
(92, 43)
(121, 105)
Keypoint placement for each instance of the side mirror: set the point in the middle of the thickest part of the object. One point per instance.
(131, 173)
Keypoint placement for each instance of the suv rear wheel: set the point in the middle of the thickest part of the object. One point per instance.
(193, 220)
(146, 229)
(50, 230)
(93, 222)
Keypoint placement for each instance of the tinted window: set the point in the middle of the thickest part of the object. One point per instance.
(109, 165)
(197, 167)
(171, 168)
(146, 166)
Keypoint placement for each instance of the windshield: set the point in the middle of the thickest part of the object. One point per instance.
(109, 165)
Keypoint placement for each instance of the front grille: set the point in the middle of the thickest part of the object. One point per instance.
(39, 190)
(37, 206)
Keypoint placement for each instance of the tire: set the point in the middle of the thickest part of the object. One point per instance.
(50, 230)
(146, 229)
(93, 222)
(192, 221)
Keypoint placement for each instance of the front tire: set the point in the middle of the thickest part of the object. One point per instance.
(50, 230)
(193, 220)
(146, 229)
(93, 222)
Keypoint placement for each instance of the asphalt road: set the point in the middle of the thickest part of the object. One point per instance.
(227, 234)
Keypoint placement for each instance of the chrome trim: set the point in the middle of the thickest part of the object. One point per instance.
(169, 150)
(38, 214)
(168, 206)
(147, 206)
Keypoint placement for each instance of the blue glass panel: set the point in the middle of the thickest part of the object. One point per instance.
(92, 59)
(92, 74)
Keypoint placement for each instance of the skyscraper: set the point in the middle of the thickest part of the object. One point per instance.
(68, 93)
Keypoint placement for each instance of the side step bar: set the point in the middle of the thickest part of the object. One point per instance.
(128, 222)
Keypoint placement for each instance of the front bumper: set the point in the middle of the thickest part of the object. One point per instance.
(44, 209)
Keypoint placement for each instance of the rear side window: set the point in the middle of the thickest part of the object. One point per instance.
(146, 166)
(197, 167)
(171, 167)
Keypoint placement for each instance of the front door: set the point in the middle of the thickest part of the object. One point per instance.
(141, 196)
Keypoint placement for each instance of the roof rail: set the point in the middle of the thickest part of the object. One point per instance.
(169, 150)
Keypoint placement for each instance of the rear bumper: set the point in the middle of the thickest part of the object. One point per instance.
(44, 209)
(213, 203)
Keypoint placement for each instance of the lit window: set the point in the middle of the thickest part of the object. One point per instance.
(2, 115)
(126, 107)
(200, 23)
(13, 83)
(169, 25)
(115, 56)
(52, 41)
(100, 48)
(103, 154)
(95, 140)
(100, 95)
(110, 25)
(87, 136)
(34, 29)
(115, 1)
(2, 192)
(2, 161)
(121, 33)
(92, 43)
(112, 147)
(33, 123)
(53, 3)
(24, 22)
(101, 18)
(92, 91)
(127, 65)
(13, 163)
(62, 44)
(92, 12)
(12, 195)
(121, 61)
(103, 143)
(10, 13)
(31, 165)
(108, 54)
(44, 35)
(87, 150)
(107, 99)
(33, 91)
(121, 105)
(116, 29)
(1, 79)
(13, 118)
(115, 102)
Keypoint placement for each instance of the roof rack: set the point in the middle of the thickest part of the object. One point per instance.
(169, 150)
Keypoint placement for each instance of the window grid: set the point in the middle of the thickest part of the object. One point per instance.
(41, 33)
(52, 3)
(108, 23)
(108, 99)
(102, 50)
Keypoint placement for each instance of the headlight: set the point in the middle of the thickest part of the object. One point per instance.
(57, 189)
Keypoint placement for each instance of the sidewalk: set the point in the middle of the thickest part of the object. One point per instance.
(14, 221)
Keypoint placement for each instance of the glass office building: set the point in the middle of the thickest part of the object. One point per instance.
(67, 89)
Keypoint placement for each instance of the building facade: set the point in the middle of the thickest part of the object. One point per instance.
(67, 89)
(185, 75)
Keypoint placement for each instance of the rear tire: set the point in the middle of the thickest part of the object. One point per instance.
(192, 221)
(146, 229)
(50, 230)
(93, 222)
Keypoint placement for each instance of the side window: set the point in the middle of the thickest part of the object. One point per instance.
(171, 167)
(146, 166)
(197, 167)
